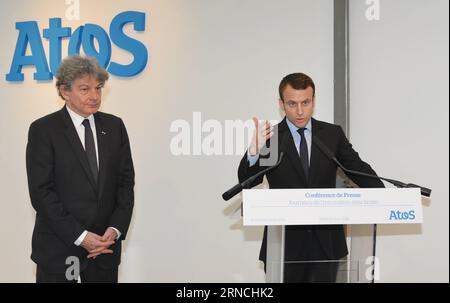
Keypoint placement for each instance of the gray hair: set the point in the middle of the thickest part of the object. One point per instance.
(75, 67)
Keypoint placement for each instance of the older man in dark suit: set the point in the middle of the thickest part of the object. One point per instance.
(81, 180)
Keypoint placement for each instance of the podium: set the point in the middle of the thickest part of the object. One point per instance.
(360, 209)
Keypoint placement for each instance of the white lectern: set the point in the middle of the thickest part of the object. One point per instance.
(361, 208)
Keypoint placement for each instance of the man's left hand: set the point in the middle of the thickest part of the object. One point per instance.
(109, 235)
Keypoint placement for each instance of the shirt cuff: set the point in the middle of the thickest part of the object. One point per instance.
(81, 238)
(117, 232)
(252, 159)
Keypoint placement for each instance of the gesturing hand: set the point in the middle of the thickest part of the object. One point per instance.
(263, 132)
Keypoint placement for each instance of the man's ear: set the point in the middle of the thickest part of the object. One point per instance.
(63, 92)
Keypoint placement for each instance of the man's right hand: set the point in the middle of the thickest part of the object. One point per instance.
(94, 244)
(263, 132)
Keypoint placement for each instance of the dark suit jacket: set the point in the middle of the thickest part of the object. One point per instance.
(322, 174)
(64, 194)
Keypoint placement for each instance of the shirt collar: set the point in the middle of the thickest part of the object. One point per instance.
(294, 128)
(77, 119)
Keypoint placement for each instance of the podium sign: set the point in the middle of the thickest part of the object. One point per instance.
(332, 206)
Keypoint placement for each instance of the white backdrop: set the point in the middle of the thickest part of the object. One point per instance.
(399, 120)
(223, 59)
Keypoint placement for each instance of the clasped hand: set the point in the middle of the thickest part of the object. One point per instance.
(97, 245)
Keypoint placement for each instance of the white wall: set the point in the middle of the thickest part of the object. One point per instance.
(399, 121)
(221, 58)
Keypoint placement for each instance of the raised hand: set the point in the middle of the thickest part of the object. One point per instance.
(263, 132)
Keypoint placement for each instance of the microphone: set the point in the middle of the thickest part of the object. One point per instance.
(423, 190)
(246, 183)
(238, 187)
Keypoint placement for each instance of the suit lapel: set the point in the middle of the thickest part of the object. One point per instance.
(74, 141)
(291, 149)
(315, 152)
(102, 151)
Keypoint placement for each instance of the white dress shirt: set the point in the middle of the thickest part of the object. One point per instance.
(252, 159)
(79, 127)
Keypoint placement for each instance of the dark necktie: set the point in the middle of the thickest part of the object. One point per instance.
(89, 146)
(304, 151)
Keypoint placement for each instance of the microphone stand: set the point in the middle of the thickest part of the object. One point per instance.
(423, 190)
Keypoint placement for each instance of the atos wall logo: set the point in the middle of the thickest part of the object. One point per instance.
(399, 215)
(83, 36)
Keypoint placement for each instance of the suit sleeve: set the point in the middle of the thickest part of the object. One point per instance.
(245, 171)
(350, 159)
(121, 216)
(41, 185)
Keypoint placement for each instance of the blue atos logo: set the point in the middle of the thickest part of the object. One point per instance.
(83, 36)
(402, 215)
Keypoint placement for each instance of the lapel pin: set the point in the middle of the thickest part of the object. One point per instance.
(103, 132)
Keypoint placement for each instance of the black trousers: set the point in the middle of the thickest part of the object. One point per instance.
(92, 273)
(312, 265)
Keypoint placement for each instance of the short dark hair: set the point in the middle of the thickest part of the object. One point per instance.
(297, 81)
